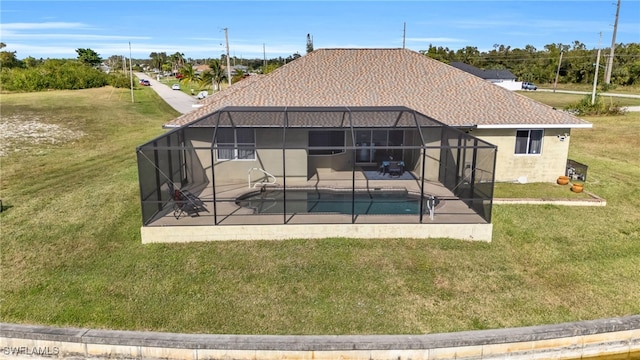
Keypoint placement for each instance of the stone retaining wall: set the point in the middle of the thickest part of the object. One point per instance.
(618, 336)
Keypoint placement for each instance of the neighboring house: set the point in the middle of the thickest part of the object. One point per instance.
(490, 75)
(501, 77)
(199, 69)
(236, 68)
(532, 138)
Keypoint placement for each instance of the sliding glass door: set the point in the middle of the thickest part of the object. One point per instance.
(372, 145)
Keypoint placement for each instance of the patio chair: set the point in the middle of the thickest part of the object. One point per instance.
(184, 202)
(395, 168)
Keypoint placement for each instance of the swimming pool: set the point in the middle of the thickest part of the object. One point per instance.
(375, 202)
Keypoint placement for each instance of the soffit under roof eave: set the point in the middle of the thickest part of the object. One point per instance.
(536, 126)
(201, 121)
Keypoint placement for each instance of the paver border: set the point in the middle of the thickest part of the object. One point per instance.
(594, 200)
(612, 335)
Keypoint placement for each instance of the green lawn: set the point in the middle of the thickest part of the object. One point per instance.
(559, 100)
(617, 89)
(71, 253)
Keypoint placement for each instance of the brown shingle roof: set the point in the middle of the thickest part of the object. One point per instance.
(386, 77)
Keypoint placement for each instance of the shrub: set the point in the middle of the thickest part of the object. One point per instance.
(53, 74)
(599, 107)
(119, 80)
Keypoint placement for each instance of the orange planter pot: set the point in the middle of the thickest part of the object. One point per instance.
(577, 188)
(563, 180)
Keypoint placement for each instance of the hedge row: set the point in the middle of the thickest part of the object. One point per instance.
(59, 75)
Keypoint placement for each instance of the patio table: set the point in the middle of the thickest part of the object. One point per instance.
(384, 165)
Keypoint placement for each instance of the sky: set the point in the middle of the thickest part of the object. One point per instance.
(259, 29)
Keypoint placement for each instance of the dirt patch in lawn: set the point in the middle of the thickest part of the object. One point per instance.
(29, 133)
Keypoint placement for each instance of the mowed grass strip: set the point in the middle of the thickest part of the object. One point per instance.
(71, 251)
(560, 100)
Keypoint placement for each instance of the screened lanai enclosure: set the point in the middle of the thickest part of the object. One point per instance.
(283, 172)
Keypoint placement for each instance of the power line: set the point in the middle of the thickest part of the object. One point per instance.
(535, 58)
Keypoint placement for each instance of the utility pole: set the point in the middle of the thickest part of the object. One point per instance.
(607, 74)
(309, 43)
(264, 58)
(130, 72)
(226, 37)
(404, 34)
(595, 76)
(558, 72)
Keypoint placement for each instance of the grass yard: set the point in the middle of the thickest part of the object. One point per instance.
(560, 100)
(547, 191)
(617, 89)
(71, 252)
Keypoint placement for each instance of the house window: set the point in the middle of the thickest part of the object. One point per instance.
(529, 141)
(326, 142)
(235, 143)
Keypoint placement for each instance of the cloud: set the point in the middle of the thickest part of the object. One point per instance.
(42, 26)
(49, 51)
(79, 37)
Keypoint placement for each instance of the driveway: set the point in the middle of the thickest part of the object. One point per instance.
(177, 99)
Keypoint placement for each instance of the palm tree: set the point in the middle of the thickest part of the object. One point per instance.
(177, 60)
(239, 75)
(216, 74)
(189, 74)
(157, 59)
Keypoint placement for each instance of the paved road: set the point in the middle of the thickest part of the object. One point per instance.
(176, 99)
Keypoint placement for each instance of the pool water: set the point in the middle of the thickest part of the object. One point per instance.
(378, 202)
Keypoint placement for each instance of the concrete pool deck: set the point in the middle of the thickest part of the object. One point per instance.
(453, 218)
(619, 337)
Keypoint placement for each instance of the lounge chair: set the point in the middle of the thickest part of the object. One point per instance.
(184, 202)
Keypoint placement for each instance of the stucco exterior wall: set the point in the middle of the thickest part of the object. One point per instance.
(543, 167)
(234, 171)
(432, 139)
(199, 160)
(508, 84)
(271, 159)
(300, 165)
(336, 162)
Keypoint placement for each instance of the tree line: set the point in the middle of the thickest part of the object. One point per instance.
(175, 62)
(569, 63)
